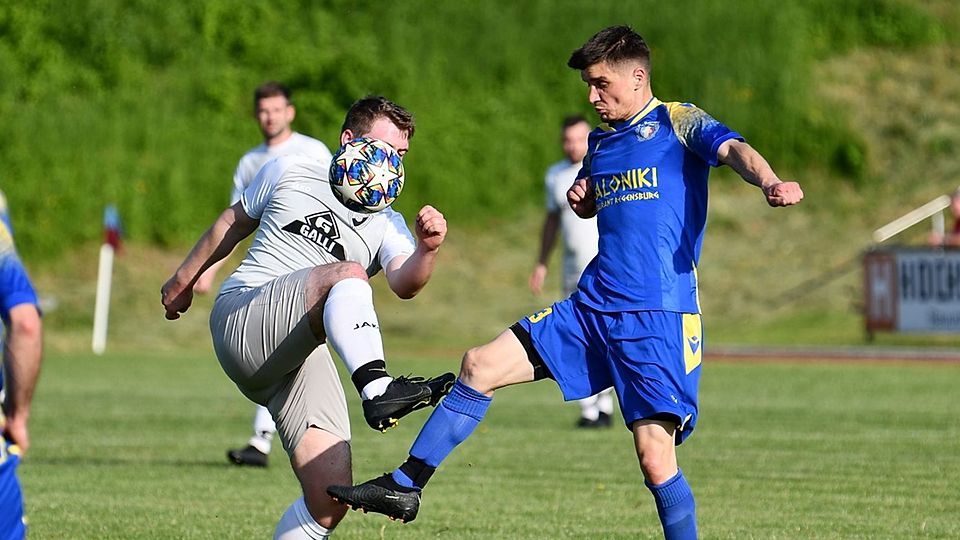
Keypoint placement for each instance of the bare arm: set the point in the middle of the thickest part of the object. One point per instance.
(753, 168)
(408, 275)
(548, 237)
(227, 231)
(22, 353)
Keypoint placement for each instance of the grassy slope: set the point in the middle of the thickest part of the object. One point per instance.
(794, 275)
(768, 275)
(131, 446)
(145, 103)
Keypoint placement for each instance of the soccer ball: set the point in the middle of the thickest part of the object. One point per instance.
(366, 175)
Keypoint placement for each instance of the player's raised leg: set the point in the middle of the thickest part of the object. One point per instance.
(654, 441)
(501, 362)
(340, 308)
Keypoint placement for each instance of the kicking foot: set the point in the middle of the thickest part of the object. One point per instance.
(403, 396)
(381, 495)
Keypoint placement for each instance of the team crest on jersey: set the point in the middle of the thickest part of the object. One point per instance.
(321, 229)
(647, 130)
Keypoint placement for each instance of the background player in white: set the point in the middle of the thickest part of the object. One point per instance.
(304, 281)
(579, 244)
(274, 112)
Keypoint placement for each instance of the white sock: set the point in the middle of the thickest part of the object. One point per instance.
(353, 329)
(263, 430)
(605, 401)
(375, 388)
(297, 524)
(588, 408)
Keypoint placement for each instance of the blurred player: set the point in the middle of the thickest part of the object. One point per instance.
(579, 245)
(303, 282)
(274, 112)
(634, 321)
(22, 351)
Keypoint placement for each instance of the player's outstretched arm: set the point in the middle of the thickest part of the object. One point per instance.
(227, 231)
(582, 198)
(408, 275)
(22, 352)
(753, 168)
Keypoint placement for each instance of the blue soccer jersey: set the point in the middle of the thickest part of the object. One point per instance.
(15, 289)
(15, 286)
(649, 174)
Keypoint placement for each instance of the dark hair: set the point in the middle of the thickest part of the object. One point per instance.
(269, 89)
(366, 111)
(573, 120)
(613, 45)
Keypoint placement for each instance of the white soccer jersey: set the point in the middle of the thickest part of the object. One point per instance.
(303, 225)
(579, 235)
(252, 161)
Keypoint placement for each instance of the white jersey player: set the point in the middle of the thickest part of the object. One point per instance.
(304, 282)
(579, 244)
(302, 225)
(274, 113)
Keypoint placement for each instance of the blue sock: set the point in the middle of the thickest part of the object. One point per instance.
(451, 423)
(676, 507)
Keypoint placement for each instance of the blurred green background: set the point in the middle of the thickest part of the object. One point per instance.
(147, 104)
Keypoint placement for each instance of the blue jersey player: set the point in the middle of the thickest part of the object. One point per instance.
(21, 366)
(634, 321)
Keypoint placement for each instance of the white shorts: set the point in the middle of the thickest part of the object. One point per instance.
(263, 340)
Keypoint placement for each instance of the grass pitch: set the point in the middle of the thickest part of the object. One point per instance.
(132, 446)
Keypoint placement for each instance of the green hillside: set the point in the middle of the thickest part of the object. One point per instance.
(146, 104)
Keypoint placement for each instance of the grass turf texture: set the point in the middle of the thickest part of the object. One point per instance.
(132, 446)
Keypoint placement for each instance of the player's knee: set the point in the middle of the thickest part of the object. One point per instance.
(656, 468)
(475, 369)
(322, 278)
(656, 451)
(470, 364)
(350, 269)
(657, 461)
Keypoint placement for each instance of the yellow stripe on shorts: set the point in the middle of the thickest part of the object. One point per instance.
(692, 341)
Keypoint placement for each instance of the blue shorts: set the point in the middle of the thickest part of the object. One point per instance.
(651, 358)
(15, 287)
(12, 525)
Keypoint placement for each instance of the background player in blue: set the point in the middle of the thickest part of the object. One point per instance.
(22, 348)
(634, 321)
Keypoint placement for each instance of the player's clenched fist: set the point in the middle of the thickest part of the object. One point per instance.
(176, 298)
(431, 227)
(783, 194)
(581, 198)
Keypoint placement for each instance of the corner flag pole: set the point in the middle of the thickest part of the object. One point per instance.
(101, 310)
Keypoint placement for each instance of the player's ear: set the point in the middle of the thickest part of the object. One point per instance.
(346, 136)
(291, 113)
(639, 75)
